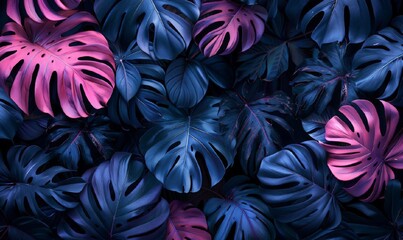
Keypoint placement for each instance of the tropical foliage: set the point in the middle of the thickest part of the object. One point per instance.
(201, 119)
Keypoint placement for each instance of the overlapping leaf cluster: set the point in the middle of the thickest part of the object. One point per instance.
(190, 119)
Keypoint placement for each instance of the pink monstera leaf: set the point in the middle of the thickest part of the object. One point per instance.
(224, 23)
(53, 10)
(186, 222)
(365, 146)
(81, 64)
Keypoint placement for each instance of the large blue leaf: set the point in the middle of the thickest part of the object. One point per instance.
(10, 117)
(370, 223)
(381, 63)
(271, 57)
(241, 215)
(187, 77)
(150, 93)
(326, 79)
(85, 141)
(182, 147)
(300, 189)
(162, 28)
(121, 201)
(337, 20)
(256, 122)
(26, 185)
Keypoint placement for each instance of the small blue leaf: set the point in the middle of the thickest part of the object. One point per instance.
(128, 79)
(186, 82)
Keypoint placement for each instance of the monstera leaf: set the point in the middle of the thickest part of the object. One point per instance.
(381, 63)
(314, 125)
(149, 90)
(225, 25)
(241, 215)
(162, 28)
(184, 145)
(10, 117)
(370, 223)
(53, 10)
(187, 78)
(186, 222)
(26, 185)
(256, 122)
(121, 201)
(271, 57)
(24, 228)
(336, 20)
(300, 189)
(365, 146)
(325, 80)
(90, 140)
(80, 63)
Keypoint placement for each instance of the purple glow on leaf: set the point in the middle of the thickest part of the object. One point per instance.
(221, 22)
(366, 157)
(79, 60)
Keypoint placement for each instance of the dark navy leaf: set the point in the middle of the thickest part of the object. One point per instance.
(121, 201)
(381, 63)
(151, 92)
(300, 189)
(87, 141)
(315, 124)
(369, 222)
(163, 28)
(325, 80)
(25, 187)
(241, 215)
(10, 117)
(337, 20)
(186, 82)
(182, 147)
(24, 228)
(33, 127)
(255, 122)
(270, 58)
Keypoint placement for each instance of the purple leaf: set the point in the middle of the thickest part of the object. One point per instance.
(365, 146)
(224, 25)
(186, 222)
(39, 52)
(44, 8)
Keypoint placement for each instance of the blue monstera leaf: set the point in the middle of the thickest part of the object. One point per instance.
(144, 76)
(28, 183)
(85, 141)
(242, 214)
(187, 144)
(163, 28)
(10, 117)
(314, 124)
(337, 20)
(257, 123)
(271, 57)
(368, 222)
(300, 189)
(381, 63)
(120, 201)
(325, 80)
(187, 77)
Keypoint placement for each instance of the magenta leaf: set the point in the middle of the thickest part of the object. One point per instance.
(80, 62)
(186, 222)
(225, 24)
(53, 10)
(365, 146)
